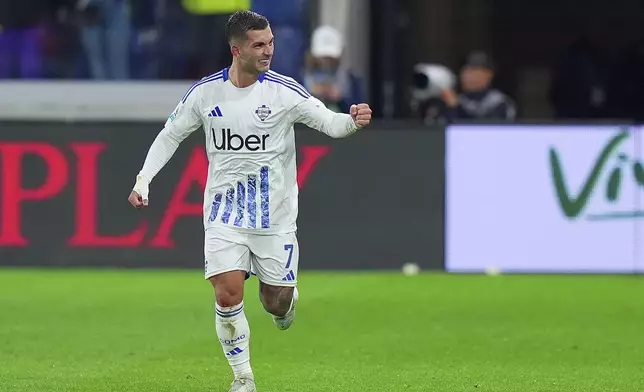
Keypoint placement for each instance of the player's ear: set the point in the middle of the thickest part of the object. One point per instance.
(234, 50)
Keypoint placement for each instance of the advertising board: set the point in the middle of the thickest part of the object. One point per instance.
(550, 198)
(370, 201)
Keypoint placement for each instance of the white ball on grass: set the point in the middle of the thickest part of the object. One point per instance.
(492, 270)
(410, 269)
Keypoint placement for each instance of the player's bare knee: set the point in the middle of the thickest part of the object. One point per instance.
(229, 288)
(276, 299)
(226, 297)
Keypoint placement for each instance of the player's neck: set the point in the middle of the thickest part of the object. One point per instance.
(239, 78)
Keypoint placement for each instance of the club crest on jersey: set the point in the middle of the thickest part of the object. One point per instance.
(263, 112)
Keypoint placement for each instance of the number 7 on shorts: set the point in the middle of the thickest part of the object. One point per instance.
(289, 248)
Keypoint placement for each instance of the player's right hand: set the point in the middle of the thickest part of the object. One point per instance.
(361, 114)
(139, 195)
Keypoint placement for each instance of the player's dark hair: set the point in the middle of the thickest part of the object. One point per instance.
(243, 21)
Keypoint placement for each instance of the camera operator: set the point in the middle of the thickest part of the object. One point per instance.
(429, 82)
(478, 100)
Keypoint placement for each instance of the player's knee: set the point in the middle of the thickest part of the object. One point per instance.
(276, 300)
(228, 298)
(228, 292)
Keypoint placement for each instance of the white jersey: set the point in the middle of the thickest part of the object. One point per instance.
(250, 143)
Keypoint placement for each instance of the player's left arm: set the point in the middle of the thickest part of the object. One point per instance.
(312, 112)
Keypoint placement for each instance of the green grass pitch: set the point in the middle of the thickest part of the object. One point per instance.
(140, 331)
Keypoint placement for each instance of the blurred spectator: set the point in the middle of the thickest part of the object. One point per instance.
(326, 76)
(165, 39)
(208, 48)
(146, 20)
(105, 34)
(478, 100)
(578, 87)
(22, 35)
(626, 95)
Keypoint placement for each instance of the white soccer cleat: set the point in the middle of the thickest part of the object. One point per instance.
(243, 385)
(286, 321)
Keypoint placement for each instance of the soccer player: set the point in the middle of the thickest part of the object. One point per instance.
(250, 200)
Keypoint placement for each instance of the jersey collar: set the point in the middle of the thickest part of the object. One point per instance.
(260, 78)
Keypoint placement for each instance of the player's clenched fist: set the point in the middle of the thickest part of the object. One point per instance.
(139, 195)
(361, 114)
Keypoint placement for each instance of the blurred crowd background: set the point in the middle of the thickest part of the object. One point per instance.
(437, 60)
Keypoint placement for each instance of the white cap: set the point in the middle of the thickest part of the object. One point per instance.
(326, 42)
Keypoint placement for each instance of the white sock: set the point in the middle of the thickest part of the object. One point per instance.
(234, 335)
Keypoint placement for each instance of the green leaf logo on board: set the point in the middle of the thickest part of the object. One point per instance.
(619, 166)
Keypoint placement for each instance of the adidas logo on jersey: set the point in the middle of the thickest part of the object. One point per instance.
(229, 141)
(216, 112)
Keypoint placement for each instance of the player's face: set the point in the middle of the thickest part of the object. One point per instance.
(256, 53)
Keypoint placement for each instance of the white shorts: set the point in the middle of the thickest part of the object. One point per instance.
(272, 258)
